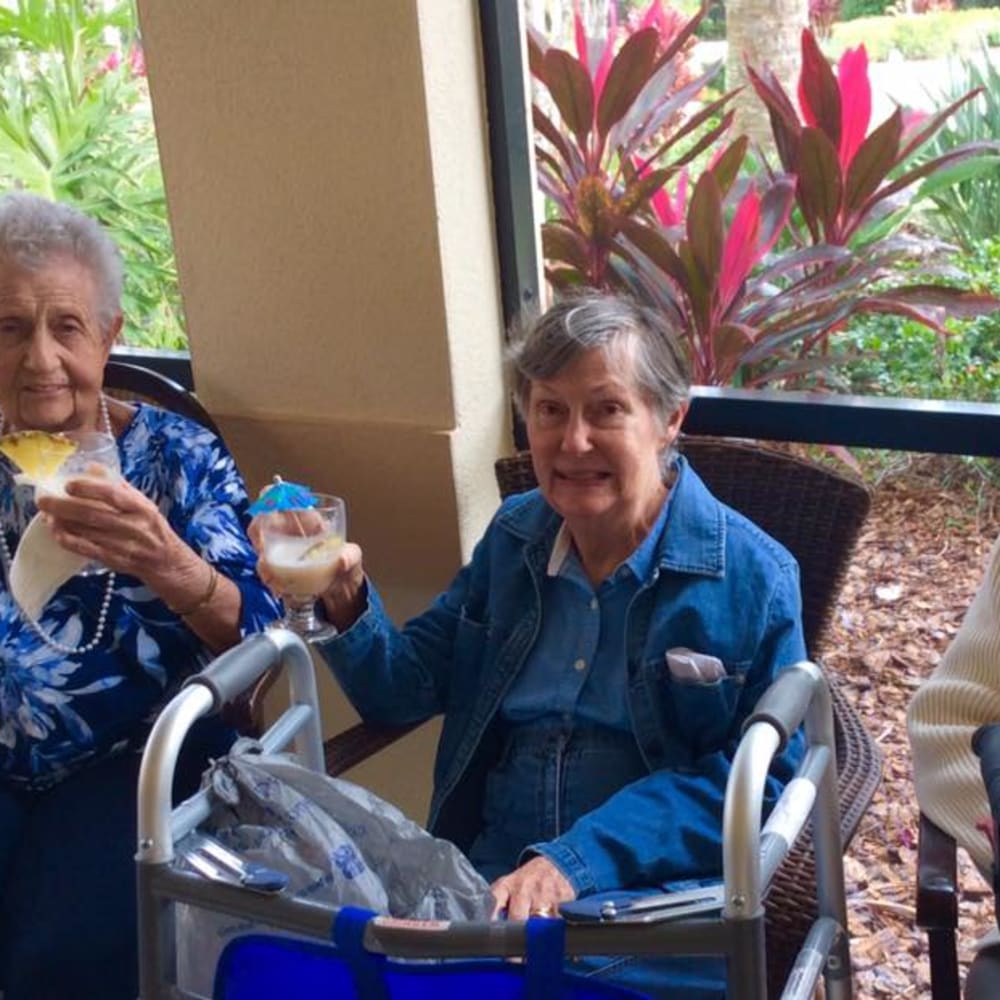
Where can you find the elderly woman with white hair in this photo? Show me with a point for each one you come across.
(81, 680)
(595, 660)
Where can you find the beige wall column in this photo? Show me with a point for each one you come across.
(327, 173)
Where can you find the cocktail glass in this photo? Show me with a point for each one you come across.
(301, 546)
(95, 457)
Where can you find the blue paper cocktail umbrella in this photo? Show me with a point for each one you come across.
(282, 495)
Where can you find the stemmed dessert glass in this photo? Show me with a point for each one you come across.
(301, 546)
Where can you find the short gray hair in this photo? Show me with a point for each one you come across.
(34, 229)
(592, 320)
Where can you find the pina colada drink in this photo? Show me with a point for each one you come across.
(302, 534)
(55, 485)
(303, 566)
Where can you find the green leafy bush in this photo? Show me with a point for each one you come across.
(76, 126)
(968, 210)
(963, 365)
(713, 25)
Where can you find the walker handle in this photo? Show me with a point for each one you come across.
(233, 672)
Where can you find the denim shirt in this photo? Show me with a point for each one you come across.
(719, 585)
(576, 668)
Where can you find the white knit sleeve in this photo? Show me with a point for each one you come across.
(961, 694)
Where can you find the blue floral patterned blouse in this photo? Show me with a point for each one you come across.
(59, 712)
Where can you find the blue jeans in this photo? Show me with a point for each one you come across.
(67, 877)
(548, 775)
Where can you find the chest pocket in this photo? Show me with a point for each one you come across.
(705, 712)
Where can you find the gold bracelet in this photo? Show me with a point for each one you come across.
(213, 583)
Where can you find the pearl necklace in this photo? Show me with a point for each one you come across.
(109, 587)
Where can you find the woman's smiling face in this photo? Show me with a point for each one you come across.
(596, 442)
(52, 347)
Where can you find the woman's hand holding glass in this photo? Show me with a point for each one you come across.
(304, 558)
(112, 523)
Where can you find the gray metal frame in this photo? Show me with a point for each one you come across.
(160, 826)
(751, 854)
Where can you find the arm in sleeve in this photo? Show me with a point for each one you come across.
(961, 694)
(668, 826)
(397, 676)
(211, 515)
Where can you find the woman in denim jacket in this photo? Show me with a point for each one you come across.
(596, 658)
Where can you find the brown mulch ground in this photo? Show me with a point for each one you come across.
(918, 564)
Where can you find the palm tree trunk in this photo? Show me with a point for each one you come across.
(763, 33)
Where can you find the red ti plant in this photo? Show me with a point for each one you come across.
(613, 144)
(853, 187)
(753, 308)
(737, 304)
(850, 182)
(756, 297)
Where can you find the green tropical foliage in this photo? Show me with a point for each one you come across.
(935, 34)
(965, 364)
(852, 9)
(76, 126)
(968, 209)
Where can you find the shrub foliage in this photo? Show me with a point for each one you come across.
(76, 126)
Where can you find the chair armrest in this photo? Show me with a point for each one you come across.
(358, 743)
(937, 906)
(937, 878)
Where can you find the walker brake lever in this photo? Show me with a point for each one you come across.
(200, 848)
(644, 909)
(209, 869)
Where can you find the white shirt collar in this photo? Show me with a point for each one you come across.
(560, 550)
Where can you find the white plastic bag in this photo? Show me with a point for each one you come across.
(338, 843)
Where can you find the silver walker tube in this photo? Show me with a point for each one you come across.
(222, 680)
(741, 821)
(799, 692)
(156, 773)
(743, 909)
(226, 677)
(828, 847)
(294, 655)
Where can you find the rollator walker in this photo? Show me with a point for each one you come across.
(726, 920)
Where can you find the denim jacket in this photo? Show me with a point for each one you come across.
(719, 585)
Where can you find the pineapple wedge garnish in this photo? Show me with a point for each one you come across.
(38, 454)
(321, 549)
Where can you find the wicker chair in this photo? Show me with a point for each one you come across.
(817, 514)
(134, 383)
